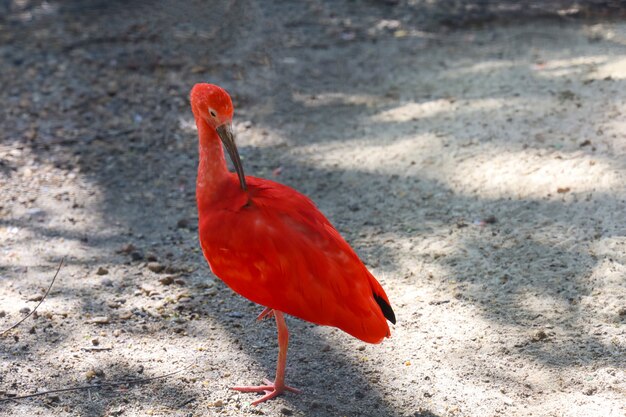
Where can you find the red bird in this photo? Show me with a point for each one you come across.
(270, 244)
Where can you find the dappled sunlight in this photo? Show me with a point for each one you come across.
(415, 111)
(335, 99)
(585, 66)
(531, 174)
(615, 68)
(478, 174)
(482, 67)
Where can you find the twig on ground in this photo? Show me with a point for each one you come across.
(100, 385)
(40, 301)
(97, 348)
(187, 401)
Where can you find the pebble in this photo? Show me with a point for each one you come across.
(136, 256)
(36, 297)
(539, 335)
(117, 332)
(92, 373)
(286, 411)
(166, 280)
(218, 403)
(148, 289)
(622, 312)
(25, 310)
(106, 282)
(127, 248)
(95, 341)
(53, 398)
(155, 267)
(100, 320)
(3, 313)
(182, 223)
(125, 315)
(102, 271)
(151, 257)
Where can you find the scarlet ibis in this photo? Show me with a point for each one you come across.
(271, 244)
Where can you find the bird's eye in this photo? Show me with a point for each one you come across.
(212, 113)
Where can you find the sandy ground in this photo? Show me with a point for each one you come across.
(479, 172)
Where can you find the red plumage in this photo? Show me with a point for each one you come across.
(274, 247)
(270, 244)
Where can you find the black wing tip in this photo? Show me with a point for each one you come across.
(385, 308)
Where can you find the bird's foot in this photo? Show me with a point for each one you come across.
(268, 312)
(270, 389)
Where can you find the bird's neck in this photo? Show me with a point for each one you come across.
(213, 173)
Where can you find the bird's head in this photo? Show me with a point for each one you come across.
(212, 104)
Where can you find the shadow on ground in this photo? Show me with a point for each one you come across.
(100, 88)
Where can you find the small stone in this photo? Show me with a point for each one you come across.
(112, 87)
(36, 297)
(117, 333)
(3, 313)
(155, 267)
(590, 390)
(621, 312)
(286, 411)
(171, 269)
(491, 220)
(167, 280)
(148, 289)
(136, 256)
(539, 336)
(95, 341)
(117, 411)
(100, 320)
(53, 398)
(102, 271)
(151, 257)
(25, 310)
(106, 282)
(218, 403)
(183, 223)
(127, 248)
(125, 315)
(235, 314)
(113, 304)
(361, 348)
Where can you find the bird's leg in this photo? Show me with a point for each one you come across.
(274, 389)
(265, 313)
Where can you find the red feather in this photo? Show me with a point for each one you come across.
(273, 246)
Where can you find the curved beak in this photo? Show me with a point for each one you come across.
(225, 132)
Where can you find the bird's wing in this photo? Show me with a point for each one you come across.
(277, 249)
